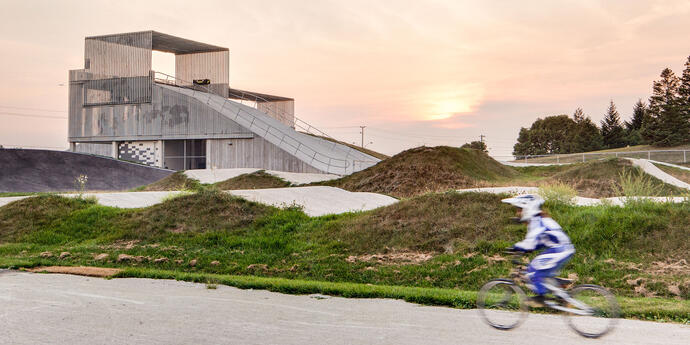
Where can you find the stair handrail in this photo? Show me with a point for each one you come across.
(210, 92)
(257, 98)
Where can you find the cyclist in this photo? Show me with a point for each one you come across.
(542, 233)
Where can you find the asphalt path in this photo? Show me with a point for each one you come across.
(63, 309)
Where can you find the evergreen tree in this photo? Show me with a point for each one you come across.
(667, 124)
(634, 126)
(684, 88)
(585, 135)
(684, 93)
(611, 129)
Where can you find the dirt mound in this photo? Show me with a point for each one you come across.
(426, 169)
(256, 180)
(53, 171)
(176, 181)
(604, 178)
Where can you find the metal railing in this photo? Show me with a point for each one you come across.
(668, 156)
(301, 150)
(285, 117)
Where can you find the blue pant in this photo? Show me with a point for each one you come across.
(546, 265)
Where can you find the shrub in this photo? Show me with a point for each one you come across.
(558, 192)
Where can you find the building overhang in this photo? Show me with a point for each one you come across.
(162, 42)
(255, 96)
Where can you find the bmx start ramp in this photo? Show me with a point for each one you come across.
(23, 170)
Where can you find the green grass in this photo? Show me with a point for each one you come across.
(175, 181)
(681, 174)
(597, 179)
(436, 169)
(256, 180)
(443, 242)
(9, 194)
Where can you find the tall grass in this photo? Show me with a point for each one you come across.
(558, 192)
(636, 183)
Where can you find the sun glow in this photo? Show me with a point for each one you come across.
(447, 108)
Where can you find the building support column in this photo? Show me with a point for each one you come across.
(160, 154)
(114, 150)
(209, 162)
(72, 146)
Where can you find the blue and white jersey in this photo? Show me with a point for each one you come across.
(543, 233)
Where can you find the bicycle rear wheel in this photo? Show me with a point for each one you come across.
(599, 307)
(502, 304)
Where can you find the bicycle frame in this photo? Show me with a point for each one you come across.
(520, 279)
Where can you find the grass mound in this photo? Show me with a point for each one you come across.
(681, 174)
(608, 178)
(438, 241)
(51, 220)
(35, 213)
(176, 181)
(256, 180)
(426, 169)
(438, 223)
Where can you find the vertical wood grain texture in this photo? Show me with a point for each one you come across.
(254, 153)
(283, 111)
(125, 55)
(210, 65)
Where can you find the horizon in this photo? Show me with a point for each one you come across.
(438, 73)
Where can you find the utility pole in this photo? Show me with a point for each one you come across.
(362, 131)
(481, 137)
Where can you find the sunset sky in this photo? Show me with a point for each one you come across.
(414, 72)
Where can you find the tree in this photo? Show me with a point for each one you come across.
(634, 126)
(546, 136)
(684, 88)
(684, 92)
(667, 124)
(476, 145)
(611, 128)
(585, 135)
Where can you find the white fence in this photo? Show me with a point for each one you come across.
(669, 156)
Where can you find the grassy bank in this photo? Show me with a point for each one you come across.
(681, 174)
(441, 241)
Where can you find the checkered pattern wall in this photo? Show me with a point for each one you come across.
(145, 152)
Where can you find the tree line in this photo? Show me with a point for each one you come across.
(663, 121)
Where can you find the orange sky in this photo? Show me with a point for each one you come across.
(414, 72)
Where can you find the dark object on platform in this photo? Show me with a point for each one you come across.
(23, 170)
(202, 81)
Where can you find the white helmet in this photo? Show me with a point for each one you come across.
(530, 205)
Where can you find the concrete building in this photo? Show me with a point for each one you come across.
(120, 107)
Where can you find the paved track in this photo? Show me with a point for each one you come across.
(61, 309)
(23, 170)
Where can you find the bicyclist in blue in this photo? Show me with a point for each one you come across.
(542, 233)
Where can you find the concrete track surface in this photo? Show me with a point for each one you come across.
(23, 170)
(62, 309)
(316, 200)
(218, 175)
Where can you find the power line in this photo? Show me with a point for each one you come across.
(32, 115)
(418, 136)
(34, 109)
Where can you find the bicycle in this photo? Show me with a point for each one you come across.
(503, 303)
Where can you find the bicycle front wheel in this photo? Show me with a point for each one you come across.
(596, 309)
(502, 304)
